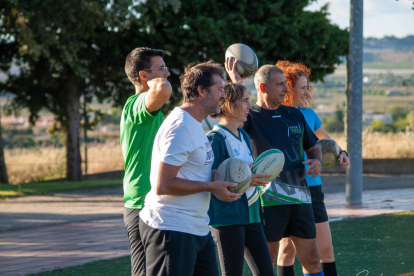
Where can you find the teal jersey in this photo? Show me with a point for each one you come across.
(241, 150)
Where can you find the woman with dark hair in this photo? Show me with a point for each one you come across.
(236, 226)
(300, 95)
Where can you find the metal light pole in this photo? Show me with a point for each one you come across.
(85, 129)
(354, 120)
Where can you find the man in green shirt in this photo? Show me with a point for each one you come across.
(140, 120)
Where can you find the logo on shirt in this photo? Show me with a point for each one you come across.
(236, 152)
(209, 154)
(294, 130)
(277, 116)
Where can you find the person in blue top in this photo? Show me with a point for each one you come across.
(300, 95)
(237, 226)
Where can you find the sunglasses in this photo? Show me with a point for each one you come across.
(163, 68)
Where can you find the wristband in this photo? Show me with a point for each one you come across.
(341, 151)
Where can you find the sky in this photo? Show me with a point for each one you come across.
(381, 17)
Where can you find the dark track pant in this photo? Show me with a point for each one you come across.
(131, 221)
(238, 242)
(178, 254)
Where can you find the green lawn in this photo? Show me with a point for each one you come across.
(48, 187)
(378, 245)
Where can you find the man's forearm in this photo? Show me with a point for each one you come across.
(181, 187)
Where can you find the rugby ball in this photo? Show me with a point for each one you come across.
(237, 171)
(247, 64)
(330, 152)
(271, 162)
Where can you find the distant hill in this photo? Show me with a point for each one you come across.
(389, 53)
(391, 43)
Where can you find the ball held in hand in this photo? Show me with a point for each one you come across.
(248, 63)
(270, 162)
(237, 171)
(330, 152)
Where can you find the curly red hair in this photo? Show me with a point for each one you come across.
(293, 71)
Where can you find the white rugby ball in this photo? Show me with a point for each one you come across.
(247, 64)
(271, 162)
(237, 171)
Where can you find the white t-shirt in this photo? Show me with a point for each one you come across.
(180, 141)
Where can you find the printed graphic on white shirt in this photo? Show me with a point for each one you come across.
(209, 155)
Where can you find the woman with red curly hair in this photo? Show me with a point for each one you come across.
(300, 95)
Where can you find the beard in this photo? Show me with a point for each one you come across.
(217, 111)
(212, 107)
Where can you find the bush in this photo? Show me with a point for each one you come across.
(397, 112)
(400, 124)
(334, 123)
(380, 126)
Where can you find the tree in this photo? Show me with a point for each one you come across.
(4, 179)
(64, 49)
(199, 30)
(69, 48)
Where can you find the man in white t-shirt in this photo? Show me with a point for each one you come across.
(174, 222)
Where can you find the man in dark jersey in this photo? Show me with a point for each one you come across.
(286, 201)
(140, 121)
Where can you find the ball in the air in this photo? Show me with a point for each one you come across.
(247, 64)
(237, 171)
(330, 152)
(270, 162)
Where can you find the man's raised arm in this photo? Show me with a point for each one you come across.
(158, 93)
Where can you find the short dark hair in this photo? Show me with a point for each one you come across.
(263, 75)
(199, 75)
(234, 92)
(138, 60)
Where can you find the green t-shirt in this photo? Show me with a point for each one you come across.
(138, 130)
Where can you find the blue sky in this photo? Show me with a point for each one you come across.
(381, 17)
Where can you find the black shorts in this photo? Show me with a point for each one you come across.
(319, 210)
(288, 220)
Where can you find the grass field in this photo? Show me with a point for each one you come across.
(389, 65)
(382, 145)
(378, 245)
(54, 186)
(34, 165)
(370, 102)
